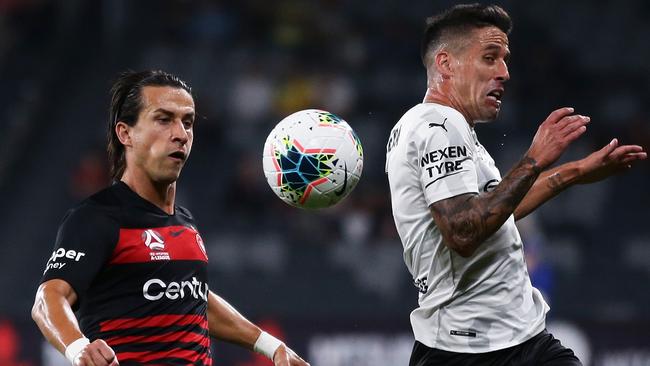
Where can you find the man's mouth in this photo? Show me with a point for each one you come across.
(496, 95)
(178, 155)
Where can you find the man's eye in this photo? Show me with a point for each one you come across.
(489, 58)
(188, 123)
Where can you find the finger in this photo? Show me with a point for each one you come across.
(558, 114)
(607, 149)
(97, 358)
(283, 361)
(573, 125)
(624, 150)
(575, 134)
(106, 352)
(565, 121)
(281, 357)
(298, 360)
(633, 157)
(86, 360)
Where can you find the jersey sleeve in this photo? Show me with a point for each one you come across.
(84, 243)
(446, 157)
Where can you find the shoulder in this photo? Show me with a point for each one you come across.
(435, 117)
(435, 122)
(102, 207)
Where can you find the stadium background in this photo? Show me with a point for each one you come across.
(332, 282)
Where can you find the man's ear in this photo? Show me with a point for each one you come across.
(443, 64)
(123, 132)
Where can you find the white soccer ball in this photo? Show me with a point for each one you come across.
(312, 159)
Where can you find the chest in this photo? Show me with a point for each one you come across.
(488, 175)
(154, 244)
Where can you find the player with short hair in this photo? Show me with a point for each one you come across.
(129, 261)
(456, 215)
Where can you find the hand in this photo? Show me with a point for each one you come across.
(554, 134)
(611, 159)
(97, 353)
(285, 356)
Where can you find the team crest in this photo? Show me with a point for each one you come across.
(199, 242)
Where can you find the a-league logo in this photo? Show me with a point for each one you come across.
(153, 240)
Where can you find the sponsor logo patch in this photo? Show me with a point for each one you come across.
(442, 163)
(62, 255)
(155, 289)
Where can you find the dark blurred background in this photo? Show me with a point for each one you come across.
(332, 282)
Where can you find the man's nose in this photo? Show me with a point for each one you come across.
(502, 72)
(179, 133)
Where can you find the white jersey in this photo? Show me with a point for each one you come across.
(471, 305)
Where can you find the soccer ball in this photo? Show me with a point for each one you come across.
(312, 159)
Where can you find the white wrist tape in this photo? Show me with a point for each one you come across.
(75, 347)
(266, 344)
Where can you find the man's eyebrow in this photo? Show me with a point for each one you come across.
(493, 46)
(164, 111)
(170, 113)
(497, 47)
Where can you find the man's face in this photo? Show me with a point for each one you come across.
(161, 139)
(481, 73)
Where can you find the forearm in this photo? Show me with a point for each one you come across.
(466, 221)
(227, 324)
(54, 316)
(549, 184)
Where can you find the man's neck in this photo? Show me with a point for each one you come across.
(162, 195)
(436, 96)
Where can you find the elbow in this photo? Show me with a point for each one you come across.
(37, 309)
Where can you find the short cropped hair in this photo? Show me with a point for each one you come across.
(460, 20)
(126, 104)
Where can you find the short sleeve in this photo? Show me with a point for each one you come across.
(84, 243)
(446, 157)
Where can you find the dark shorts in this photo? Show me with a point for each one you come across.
(542, 349)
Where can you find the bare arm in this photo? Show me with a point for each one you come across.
(549, 184)
(610, 160)
(465, 221)
(227, 324)
(52, 312)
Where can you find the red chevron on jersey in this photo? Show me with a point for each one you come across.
(182, 336)
(173, 353)
(152, 321)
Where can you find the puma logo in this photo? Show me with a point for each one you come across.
(431, 124)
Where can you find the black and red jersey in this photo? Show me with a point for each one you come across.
(140, 275)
